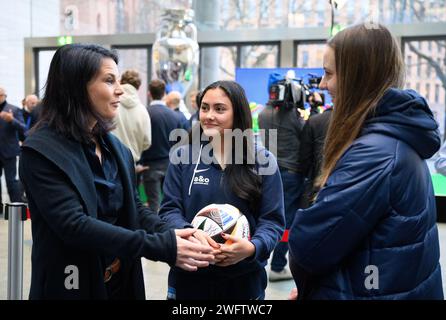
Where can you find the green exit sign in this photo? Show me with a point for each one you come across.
(63, 40)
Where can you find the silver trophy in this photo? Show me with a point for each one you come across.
(175, 53)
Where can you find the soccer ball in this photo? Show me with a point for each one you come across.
(217, 218)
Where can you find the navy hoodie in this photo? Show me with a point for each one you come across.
(376, 215)
(191, 184)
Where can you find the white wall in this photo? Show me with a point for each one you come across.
(20, 19)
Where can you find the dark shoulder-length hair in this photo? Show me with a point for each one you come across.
(67, 107)
(241, 176)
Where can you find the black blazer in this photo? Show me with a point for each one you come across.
(9, 139)
(65, 229)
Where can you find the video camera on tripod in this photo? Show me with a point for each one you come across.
(291, 91)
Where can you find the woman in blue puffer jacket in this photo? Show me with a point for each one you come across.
(371, 233)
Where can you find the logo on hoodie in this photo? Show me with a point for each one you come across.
(201, 180)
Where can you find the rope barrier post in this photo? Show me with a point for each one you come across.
(15, 213)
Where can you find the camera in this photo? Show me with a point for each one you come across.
(314, 81)
(290, 91)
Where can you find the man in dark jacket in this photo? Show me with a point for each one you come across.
(156, 157)
(288, 123)
(11, 125)
(311, 152)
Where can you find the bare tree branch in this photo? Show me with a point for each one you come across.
(432, 62)
(229, 73)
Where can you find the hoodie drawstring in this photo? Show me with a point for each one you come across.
(195, 169)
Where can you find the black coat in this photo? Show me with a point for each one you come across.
(66, 232)
(9, 141)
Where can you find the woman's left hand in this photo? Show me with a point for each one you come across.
(203, 238)
(234, 250)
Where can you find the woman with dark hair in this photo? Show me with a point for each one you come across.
(89, 228)
(371, 233)
(213, 169)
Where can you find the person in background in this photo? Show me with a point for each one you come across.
(133, 126)
(156, 158)
(194, 98)
(214, 170)
(173, 100)
(89, 229)
(11, 126)
(371, 233)
(311, 152)
(315, 101)
(30, 113)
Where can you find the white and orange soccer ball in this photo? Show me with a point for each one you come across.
(217, 218)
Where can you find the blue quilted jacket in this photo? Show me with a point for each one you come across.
(372, 233)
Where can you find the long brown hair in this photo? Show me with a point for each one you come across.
(368, 62)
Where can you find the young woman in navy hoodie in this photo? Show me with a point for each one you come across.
(371, 234)
(213, 169)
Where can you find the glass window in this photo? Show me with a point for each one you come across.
(321, 5)
(427, 93)
(140, 16)
(263, 9)
(249, 8)
(117, 16)
(279, 7)
(409, 65)
(44, 60)
(351, 11)
(434, 64)
(310, 55)
(294, 6)
(418, 66)
(303, 13)
(139, 60)
(217, 63)
(259, 56)
(432, 59)
(365, 8)
(305, 59)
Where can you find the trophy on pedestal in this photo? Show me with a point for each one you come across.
(175, 53)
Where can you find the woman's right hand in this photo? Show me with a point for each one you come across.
(205, 239)
(191, 255)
